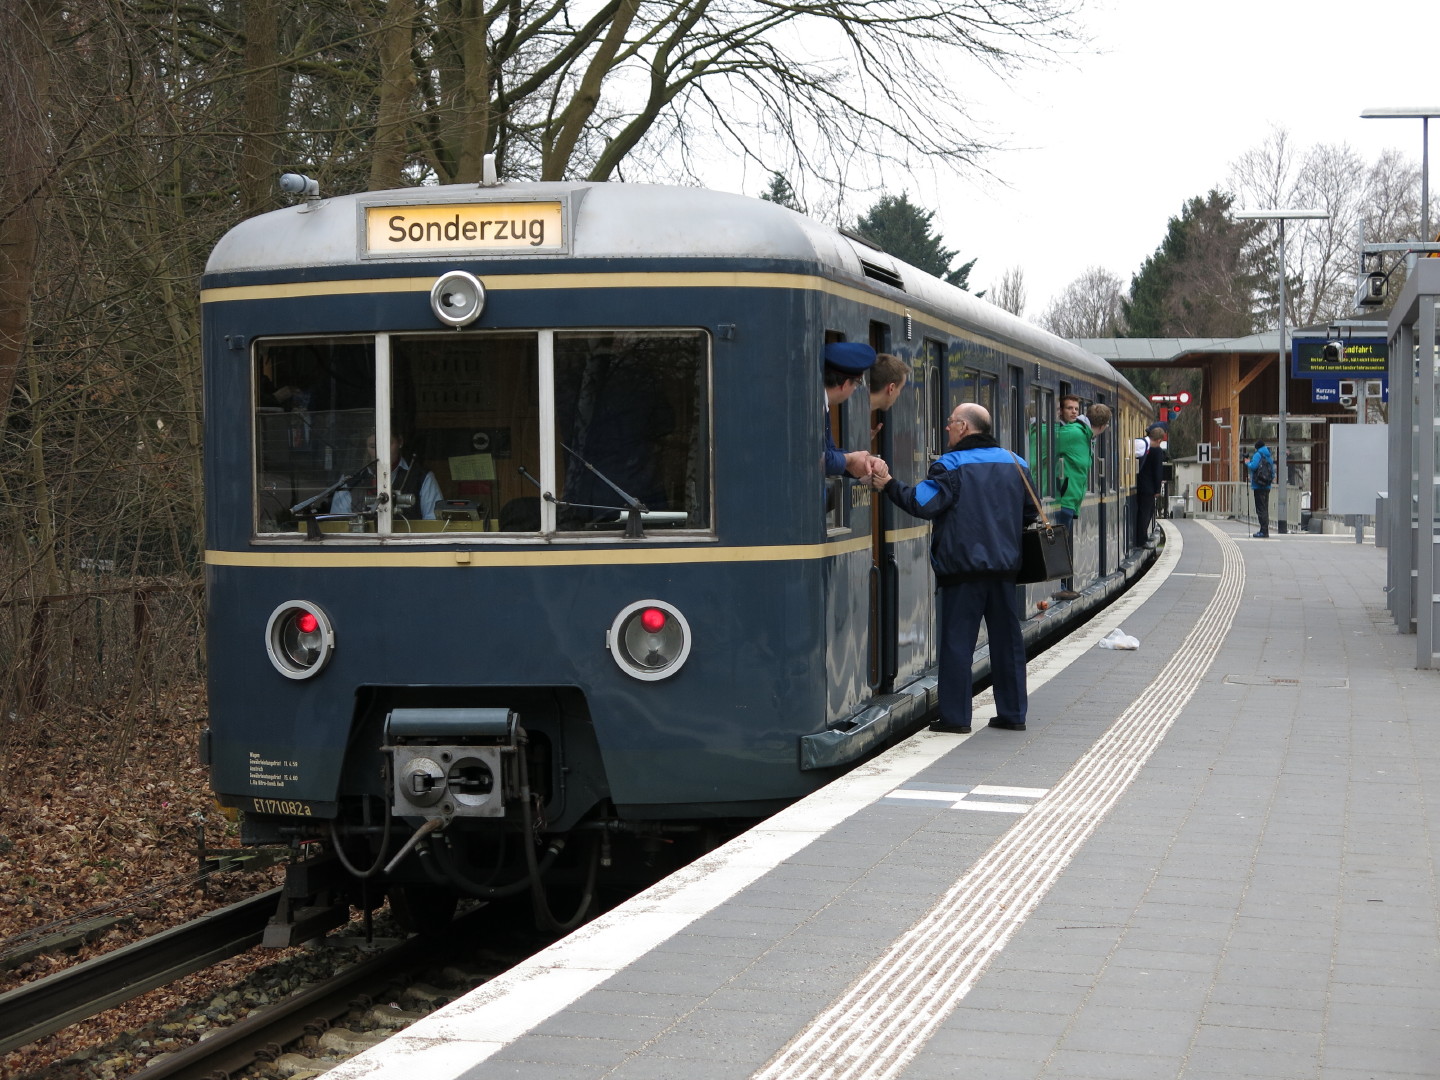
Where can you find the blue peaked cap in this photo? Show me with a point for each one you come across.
(851, 357)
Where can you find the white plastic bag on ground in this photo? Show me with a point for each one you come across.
(1118, 639)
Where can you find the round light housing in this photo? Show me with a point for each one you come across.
(457, 298)
(299, 639)
(650, 640)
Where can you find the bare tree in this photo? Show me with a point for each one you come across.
(1374, 201)
(1090, 307)
(557, 89)
(1009, 292)
(136, 132)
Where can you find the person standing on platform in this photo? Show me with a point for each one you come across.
(846, 365)
(1149, 478)
(1262, 475)
(1075, 448)
(977, 499)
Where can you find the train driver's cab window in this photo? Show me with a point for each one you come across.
(630, 431)
(314, 408)
(603, 434)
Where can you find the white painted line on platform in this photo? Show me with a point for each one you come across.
(1014, 792)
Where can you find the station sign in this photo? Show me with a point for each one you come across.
(1355, 358)
(1182, 398)
(1335, 391)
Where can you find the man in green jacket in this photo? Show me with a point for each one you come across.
(1074, 447)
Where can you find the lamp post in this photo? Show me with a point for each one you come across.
(1281, 472)
(1424, 116)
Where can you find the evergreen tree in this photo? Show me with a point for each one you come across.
(1204, 278)
(900, 227)
(782, 193)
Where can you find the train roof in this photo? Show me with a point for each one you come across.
(616, 221)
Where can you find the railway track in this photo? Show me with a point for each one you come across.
(45, 1006)
(307, 1022)
(264, 1034)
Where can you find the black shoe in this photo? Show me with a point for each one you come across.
(949, 729)
(1260, 536)
(1065, 594)
(1008, 725)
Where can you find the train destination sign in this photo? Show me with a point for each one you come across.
(1358, 358)
(463, 227)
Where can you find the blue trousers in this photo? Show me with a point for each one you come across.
(1064, 516)
(962, 607)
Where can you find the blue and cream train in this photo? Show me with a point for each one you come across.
(637, 603)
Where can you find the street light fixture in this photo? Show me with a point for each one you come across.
(1280, 217)
(1424, 116)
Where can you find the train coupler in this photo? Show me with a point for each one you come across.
(452, 762)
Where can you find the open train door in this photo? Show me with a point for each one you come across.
(902, 587)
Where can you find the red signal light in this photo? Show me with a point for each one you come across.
(653, 620)
(307, 623)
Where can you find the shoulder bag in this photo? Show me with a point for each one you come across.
(1044, 546)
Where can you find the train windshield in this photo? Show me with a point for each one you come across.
(595, 433)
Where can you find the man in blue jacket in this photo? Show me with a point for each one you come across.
(1262, 475)
(977, 498)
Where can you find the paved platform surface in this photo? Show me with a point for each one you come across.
(1210, 858)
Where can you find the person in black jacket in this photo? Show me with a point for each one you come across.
(1149, 478)
(976, 496)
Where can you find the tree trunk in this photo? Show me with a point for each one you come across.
(397, 89)
(472, 124)
(261, 119)
(25, 76)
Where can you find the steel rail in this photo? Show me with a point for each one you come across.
(227, 1051)
(45, 1006)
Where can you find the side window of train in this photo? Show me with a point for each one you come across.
(937, 409)
(627, 423)
(986, 387)
(1041, 418)
(1015, 384)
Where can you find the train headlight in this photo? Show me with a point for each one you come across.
(457, 298)
(650, 640)
(299, 639)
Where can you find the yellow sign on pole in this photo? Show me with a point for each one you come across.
(1205, 493)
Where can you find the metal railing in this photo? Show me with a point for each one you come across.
(1234, 499)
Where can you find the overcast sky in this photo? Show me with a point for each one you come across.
(1111, 144)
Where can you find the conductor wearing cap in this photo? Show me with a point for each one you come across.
(846, 366)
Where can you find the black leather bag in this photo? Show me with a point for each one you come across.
(1044, 546)
(1044, 553)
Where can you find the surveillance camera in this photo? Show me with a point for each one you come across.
(1333, 352)
(1373, 288)
(1348, 400)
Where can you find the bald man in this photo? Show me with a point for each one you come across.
(977, 499)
